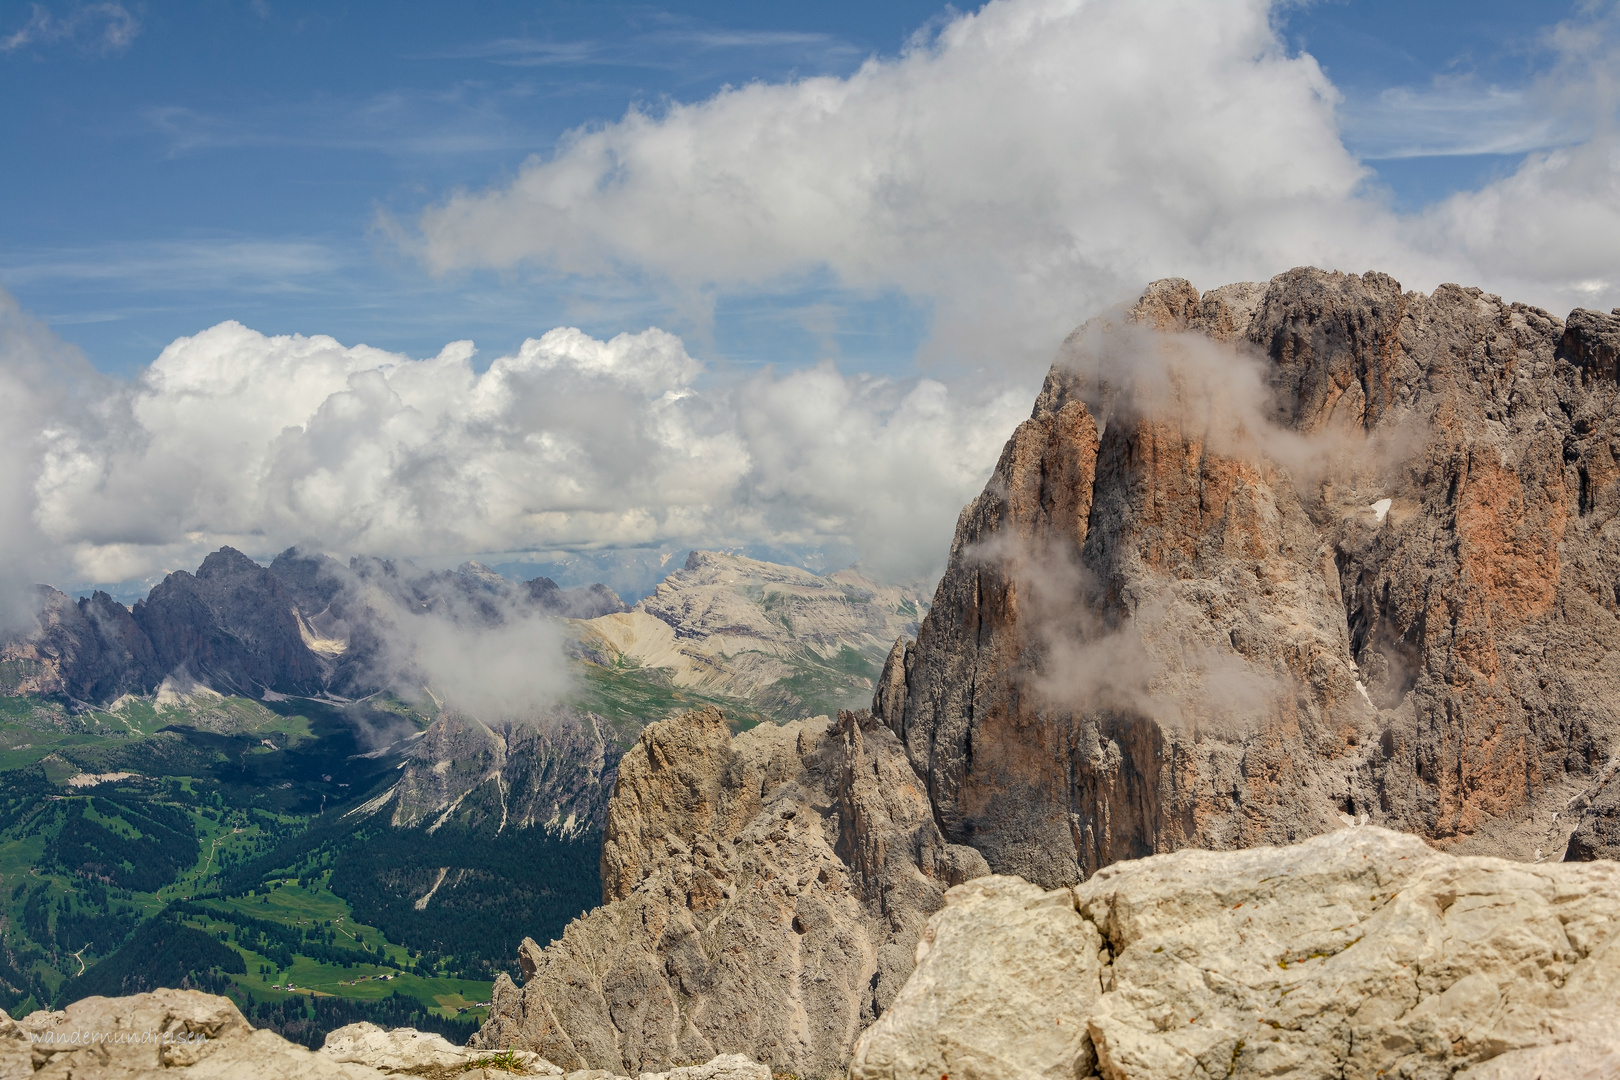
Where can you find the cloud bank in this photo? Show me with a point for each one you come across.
(1037, 159)
(1014, 170)
(46, 386)
(570, 443)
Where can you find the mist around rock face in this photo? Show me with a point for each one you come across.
(1267, 556)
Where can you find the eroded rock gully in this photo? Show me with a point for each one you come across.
(762, 894)
(1276, 555)
(1358, 954)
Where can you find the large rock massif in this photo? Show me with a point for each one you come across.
(1274, 555)
(762, 894)
(1266, 563)
(1358, 954)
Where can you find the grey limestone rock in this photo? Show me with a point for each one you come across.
(762, 895)
(554, 774)
(422, 1053)
(1597, 834)
(1359, 953)
(165, 1033)
(232, 626)
(86, 650)
(182, 1034)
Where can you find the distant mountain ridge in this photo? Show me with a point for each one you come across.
(763, 639)
(789, 642)
(306, 625)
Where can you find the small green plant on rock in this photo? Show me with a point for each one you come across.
(506, 1060)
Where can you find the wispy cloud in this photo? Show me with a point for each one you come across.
(461, 119)
(1454, 118)
(178, 265)
(105, 28)
(1571, 98)
(672, 45)
(754, 39)
(523, 51)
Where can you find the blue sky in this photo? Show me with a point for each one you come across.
(228, 159)
(818, 255)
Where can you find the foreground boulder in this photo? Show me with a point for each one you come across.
(166, 1033)
(1360, 953)
(189, 1035)
(763, 895)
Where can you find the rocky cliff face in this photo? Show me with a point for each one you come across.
(90, 650)
(490, 777)
(1361, 953)
(1270, 556)
(232, 626)
(762, 894)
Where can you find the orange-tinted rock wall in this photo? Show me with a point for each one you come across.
(1389, 589)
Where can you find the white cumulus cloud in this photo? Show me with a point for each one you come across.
(1031, 162)
(261, 442)
(1012, 172)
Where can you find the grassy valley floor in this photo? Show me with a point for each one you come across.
(213, 843)
(122, 833)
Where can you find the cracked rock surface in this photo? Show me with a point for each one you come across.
(183, 1034)
(166, 1033)
(762, 895)
(1358, 954)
